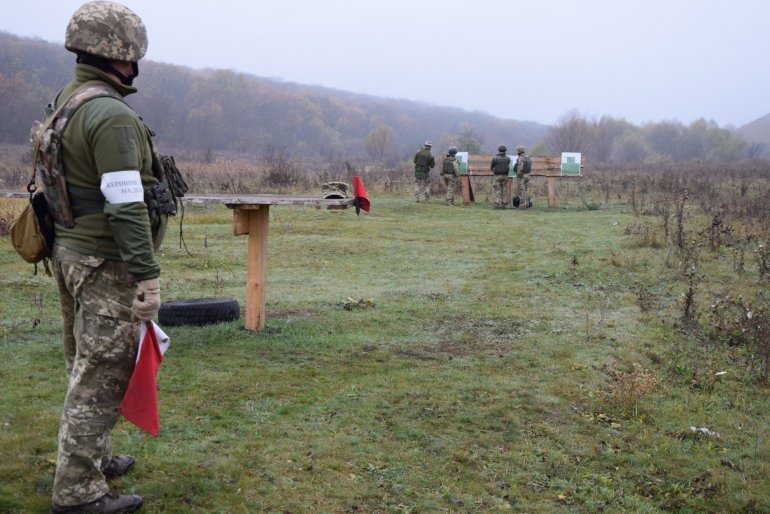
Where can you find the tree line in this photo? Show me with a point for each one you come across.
(226, 111)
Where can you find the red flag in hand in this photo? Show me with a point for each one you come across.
(362, 201)
(140, 403)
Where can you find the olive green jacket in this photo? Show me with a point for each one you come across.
(105, 135)
(423, 163)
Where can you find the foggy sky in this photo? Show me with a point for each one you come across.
(642, 60)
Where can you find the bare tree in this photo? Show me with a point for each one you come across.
(572, 134)
(469, 141)
(379, 143)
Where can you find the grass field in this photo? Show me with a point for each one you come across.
(502, 361)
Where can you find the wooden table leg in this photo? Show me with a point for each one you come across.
(253, 220)
(551, 186)
(465, 185)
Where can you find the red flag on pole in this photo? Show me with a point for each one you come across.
(362, 200)
(140, 403)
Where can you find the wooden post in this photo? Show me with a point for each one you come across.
(551, 185)
(465, 185)
(257, 217)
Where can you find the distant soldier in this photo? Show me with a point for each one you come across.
(522, 168)
(449, 171)
(423, 163)
(499, 166)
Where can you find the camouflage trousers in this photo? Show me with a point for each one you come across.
(450, 181)
(500, 191)
(522, 190)
(420, 184)
(100, 345)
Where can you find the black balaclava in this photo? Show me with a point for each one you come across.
(106, 66)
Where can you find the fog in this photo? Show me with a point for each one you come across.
(641, 60)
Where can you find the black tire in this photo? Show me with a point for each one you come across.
(198, 311)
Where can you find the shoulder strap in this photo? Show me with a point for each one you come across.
(60, 117)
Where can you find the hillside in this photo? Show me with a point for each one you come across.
(758, 131)
(221, 110)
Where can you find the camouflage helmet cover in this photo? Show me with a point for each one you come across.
(334, 190)
(502, 148)
(452, 150)
(107, 29)
(520, 149)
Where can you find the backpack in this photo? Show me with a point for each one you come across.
(527, 164)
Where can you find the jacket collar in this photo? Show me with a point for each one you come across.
(84, 73)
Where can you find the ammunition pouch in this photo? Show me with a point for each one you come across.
(160, 200)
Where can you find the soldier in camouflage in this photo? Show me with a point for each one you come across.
(104, 264)
(449, 170)
(522, 168)
(499, 167)
(423, 163)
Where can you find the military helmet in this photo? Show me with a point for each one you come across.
(107, 29)
(502, 148)
(452, 150)
(520, 149)
(428, 143)
(334, 190)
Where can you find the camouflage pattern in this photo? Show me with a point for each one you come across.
(520, 149)
(500, 191)
(522, 190)
(449, 171)
(100, 345)
(450, 181)
(420, 184)
(523, 163)
(48, 152)
(107, 29)
(334, 190)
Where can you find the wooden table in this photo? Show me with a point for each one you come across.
(251, 215)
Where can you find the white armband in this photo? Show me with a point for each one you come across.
(122, 187)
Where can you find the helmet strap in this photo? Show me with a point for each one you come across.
(106, 66)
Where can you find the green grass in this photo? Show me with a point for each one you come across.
(480, 380)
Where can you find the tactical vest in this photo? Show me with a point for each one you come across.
(66, 203)
(501, 164)
(527, 164)
(48, 153)
(422, 161)
(448, 166)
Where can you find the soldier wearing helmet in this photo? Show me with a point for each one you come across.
(522, 168)
(423, 163)
(449, 170)
(499, 166)
(104, 259)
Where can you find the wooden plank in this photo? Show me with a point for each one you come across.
(542, 166)
(551, 186)
(242, 199)
(264, 199)
(256, 274)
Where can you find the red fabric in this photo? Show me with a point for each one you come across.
(140, 403)
(360, 193)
